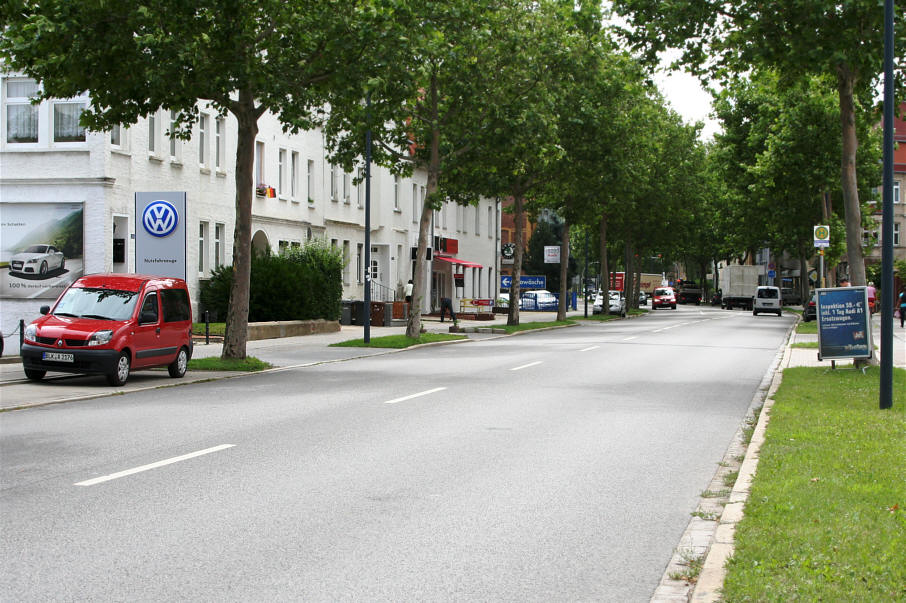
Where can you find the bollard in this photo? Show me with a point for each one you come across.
(207, 328)
(21, 334)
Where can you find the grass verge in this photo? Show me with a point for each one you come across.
(216, 328)
(248, 364)
(807, 328)
(397, 341)
(528, 326)
(806, 344)
(826, 518)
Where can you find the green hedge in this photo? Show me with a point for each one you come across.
(301, 283)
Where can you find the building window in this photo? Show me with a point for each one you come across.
(310, 181)
(490, 222)
(218, 245)
(333, 182)
(116, 136)
(281, 173)
(259, 164)
(360, 187)
(202, 247)
(21, 115)
(396, 193)
(465, 219)
(360, 249)
(345, 187)
(896, 234)
(66, 126)
(152, 133)
(282, 246)
(174, 146)
(896, 191)
(294, 176)
(415, 208)
(477, 221)
(346, 262)
(203, 136)
(219, 134)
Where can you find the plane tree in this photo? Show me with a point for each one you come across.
(244, 57)
(435, 99)
(841, 40)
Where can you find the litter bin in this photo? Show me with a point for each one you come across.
(346, 313)
(388, 314)
(358, 312)
(377, 314)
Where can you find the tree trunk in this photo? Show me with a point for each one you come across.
(605, 269)
(419, 284)
(803, 279)
(564, 272)
(628, 271)
(518, 217)
(852, 211)
(237, 319)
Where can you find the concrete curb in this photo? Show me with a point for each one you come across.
(710, 581)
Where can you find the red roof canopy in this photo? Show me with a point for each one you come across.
(463, 263)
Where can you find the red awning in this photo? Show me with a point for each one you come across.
(463, 263)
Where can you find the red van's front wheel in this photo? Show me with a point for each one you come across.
(121, 371)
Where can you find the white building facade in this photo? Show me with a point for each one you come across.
(52, 172)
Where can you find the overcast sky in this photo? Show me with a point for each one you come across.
(688, 98)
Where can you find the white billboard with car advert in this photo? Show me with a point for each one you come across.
(42, 248)
(160, 234)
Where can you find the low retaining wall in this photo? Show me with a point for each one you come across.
(291, 328)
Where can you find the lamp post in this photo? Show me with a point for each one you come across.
(886, 385)
(367, 317)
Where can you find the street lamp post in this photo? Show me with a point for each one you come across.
(886, 385)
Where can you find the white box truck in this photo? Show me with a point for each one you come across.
(738, 284)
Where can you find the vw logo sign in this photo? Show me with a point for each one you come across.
(160, 218)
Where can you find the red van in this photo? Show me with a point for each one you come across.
(109, 324)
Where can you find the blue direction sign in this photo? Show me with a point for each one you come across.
(526, 281)
(844, 328)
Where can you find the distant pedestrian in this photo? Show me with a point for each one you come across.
(872, 297)
(902, 306)
(408, 292)
(844, 282)
(447, 304)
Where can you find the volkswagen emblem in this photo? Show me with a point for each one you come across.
(160, 218)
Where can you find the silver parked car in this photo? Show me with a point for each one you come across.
(37, 260)
(616, 303)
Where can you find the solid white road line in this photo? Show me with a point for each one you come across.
(424, 393)
(594, 347)
(175, 459)
(519, 368)
(631, 338)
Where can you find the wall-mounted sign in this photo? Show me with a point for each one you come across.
(844, 323)
(551, 254)
(43, 248)
(160, 234)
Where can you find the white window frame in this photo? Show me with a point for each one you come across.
(204, 135)
(896, 191)
(310, 180)
(219, 239)
(19, 101)
(360, 187)
(294, 176)
(416, 213)
(203, 231)
(219, 140)
(116, 136)
(175, 144)
(345, 261)
(282, 172)
(333, 182)
(359, 260)
(260, 174)
(477, 222)
(396, 192)
(490, 222)
(896, 234)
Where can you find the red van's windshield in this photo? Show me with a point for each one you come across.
(103, 304)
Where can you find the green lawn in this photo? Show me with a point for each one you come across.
(806, 344)
(397, 341)
(807, 328)
(528, 326)
(215, 328)
(826, 517)
(249, 363)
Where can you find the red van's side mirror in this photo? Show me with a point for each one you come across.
(44, 309)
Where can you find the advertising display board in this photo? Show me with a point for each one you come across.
(160, 234)
(844, 323)
(42, 248)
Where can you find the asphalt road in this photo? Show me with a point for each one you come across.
(560, 465)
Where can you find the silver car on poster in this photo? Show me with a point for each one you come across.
(37, 260)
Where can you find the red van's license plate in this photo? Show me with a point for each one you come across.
(58, 357)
